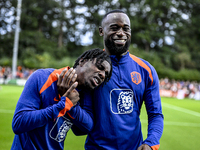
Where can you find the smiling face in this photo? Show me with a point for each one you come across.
(116, 32)
(91, 74)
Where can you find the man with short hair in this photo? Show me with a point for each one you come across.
(48, 105)
(117, 104)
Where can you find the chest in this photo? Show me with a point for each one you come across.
(128, 76)
(49, 96)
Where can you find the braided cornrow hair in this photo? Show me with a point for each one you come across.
(97, 53)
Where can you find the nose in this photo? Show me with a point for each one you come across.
(102, 74)
(120, 32)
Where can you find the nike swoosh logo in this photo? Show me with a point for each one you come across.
(55, 99)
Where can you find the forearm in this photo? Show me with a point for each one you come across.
(26, 119)
(81, 119)
(155, 129)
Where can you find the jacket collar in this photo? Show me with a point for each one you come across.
(119, 59)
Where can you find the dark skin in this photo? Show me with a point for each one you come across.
(86, 75)
(67, 85)
(116, 31)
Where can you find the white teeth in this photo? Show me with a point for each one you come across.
(96, 80)
(120, 40)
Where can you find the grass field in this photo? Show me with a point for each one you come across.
(181, 123)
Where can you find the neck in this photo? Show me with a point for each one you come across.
(124, 53)
(108, 52)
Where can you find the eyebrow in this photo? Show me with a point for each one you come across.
(125, 25)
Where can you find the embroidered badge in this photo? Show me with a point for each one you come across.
(124, 103)
(60, 129)
(136, 77)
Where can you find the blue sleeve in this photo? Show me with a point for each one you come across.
(29, 114)
(154, 111)
(82, 115)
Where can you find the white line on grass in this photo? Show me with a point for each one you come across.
(6, 111)
(186, 124)
(181, 109)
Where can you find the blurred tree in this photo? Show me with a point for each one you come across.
(165, 32)
(188, 32)
(6, 16)
(6, 27)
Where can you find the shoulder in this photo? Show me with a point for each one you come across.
(145, 65)
(41, 78)
(142, 63)
(40, 75)
(42, 72)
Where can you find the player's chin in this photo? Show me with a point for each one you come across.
(89, 86)
(92, 86)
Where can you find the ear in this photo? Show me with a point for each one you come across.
(100, 31)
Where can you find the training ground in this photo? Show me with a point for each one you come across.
(181, 122)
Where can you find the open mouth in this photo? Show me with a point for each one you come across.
(120, 42)
(96, 81)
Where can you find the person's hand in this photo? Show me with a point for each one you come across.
(64, 104)
(144, 147)
(67, 86)
(72, 93)
(65, 80)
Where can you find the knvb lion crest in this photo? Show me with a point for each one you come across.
(136, 77)
(125, 102)
(121, 101)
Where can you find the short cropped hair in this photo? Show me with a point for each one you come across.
(97, 53)
(110, 12)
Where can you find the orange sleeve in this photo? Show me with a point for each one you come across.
(155, 147)
(68, 106)
(52, 78)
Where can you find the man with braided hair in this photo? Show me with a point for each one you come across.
(92, 54)
(49, 103)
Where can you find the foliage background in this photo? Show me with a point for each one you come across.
(53, 33)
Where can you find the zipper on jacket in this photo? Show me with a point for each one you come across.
(120, 73)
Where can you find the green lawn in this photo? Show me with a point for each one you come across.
(181, 123)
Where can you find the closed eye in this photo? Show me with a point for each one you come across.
(126, 29)
(114, 27)
(100, 67)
